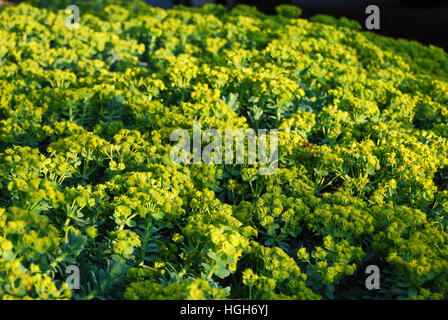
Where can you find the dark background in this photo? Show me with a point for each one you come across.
(423, 20)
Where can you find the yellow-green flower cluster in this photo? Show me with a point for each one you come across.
(86, 177)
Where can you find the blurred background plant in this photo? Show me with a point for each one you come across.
(424, 21)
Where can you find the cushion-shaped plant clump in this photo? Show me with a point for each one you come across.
(87, 182)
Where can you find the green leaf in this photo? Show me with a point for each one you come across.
(212, 255)
(412, 292)
(158, 215)
(222, 272)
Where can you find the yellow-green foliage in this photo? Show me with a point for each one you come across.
(86, 179)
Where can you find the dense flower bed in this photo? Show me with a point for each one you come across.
(86, 179)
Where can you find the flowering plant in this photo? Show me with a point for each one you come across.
(86, 178)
